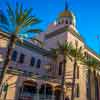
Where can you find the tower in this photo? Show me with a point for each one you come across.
(66, 17)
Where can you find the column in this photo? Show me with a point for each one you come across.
(53, 96)
(37, 94)
(99, 85)
(44, 91)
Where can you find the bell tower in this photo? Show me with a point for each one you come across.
(66, 17)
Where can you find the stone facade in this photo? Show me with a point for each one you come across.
(32, 80)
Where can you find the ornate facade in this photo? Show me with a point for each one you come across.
(33, 74)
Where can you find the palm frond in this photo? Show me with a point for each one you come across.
(20, 40)
(65, 49)
(4, 28)
(19, 20)
(27, 13)
(33, 31)
(31, 22)
(91, 63)
(16, 10)
(38, 41)
(54, 52)
(10, 13)
(21, 10)
(3, 18)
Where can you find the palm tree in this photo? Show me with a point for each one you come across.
(54, 53)
(91, 64)
(64, 49)
(88, 64)
(17, 23)
(95, 67)
(77, 54)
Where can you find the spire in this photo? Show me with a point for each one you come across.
(66, 5)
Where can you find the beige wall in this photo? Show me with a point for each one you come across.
(12, 82)
(52, 42)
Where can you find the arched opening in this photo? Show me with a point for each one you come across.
(28, 90)
(96, 89)
(14, 55)
(57, 93)
(46, 92)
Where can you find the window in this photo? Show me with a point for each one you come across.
(96, 89)
(77, 72)
(60, 68)
(62, 21)
(38, 63)
(59, 22)
(86, 55)
(71, 22)
(77, 90)
(14, 56)
(66, 21)
(88, 85)
(21, 58)
(32, 62)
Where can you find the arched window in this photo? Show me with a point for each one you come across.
(71, 22)
(59, 22)
(78, 72)
(32, 62)
(77, 91)
(14, 55)
(21, 58)
(96, 89)
(66, 21)
(60, 68)
(62, 21)
(38, 63)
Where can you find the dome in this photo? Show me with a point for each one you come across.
(66, 13)
(69, 15)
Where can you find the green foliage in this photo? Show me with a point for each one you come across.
(77, 52)
(91, 63)
(65, 49)
(18, 20)
(54, 52)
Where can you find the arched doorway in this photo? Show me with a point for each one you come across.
(45, 92)
(28, 90)
(57, 92)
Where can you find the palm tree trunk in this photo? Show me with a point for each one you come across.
(73, 80)
(95, 83)
(8, 57)
(63, 78)
(89, 84)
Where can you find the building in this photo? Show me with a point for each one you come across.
(33, 74)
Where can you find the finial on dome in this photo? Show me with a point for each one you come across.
(66, 5)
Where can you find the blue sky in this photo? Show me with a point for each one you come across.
(87, 14)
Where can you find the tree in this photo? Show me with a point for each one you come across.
(17, 23)
(95, 67)
(54, 53)
(91, 64)
(64, 49)
(77, 54)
